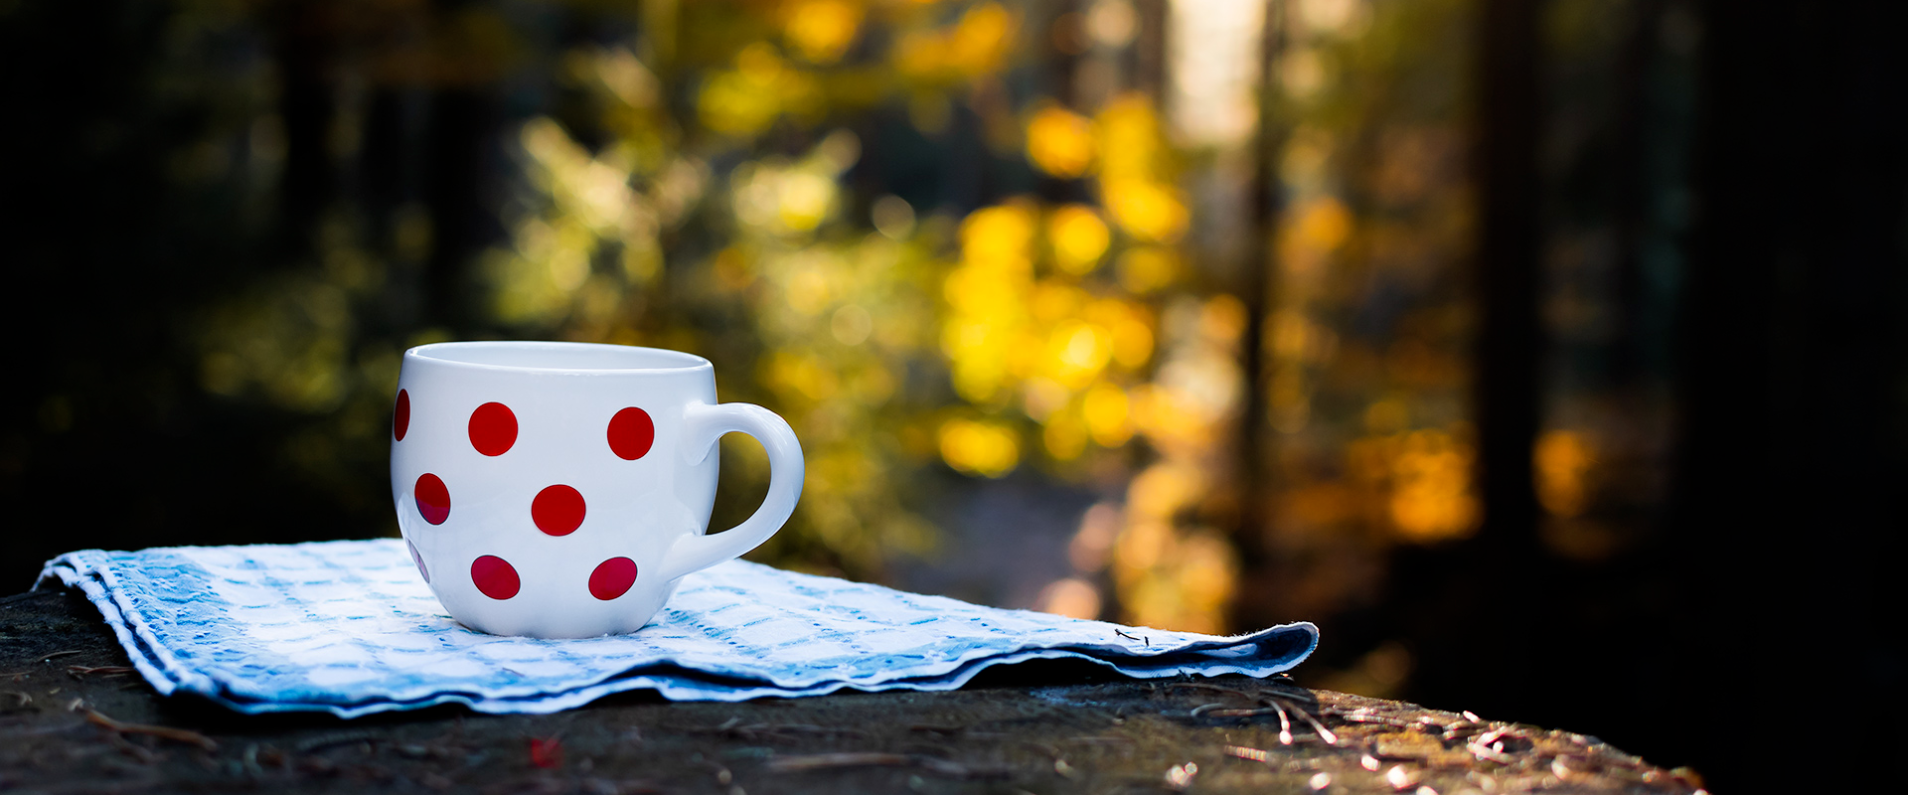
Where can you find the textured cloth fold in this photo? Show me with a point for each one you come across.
(348, 627)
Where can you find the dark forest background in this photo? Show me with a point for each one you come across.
(1553, 356)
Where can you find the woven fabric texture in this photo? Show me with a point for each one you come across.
(349, 627)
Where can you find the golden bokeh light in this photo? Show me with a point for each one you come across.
(980, 42)
(1132, 145)
(1147, 210)
(1312, 232)
(1079, 238)
(1060, 142)
(1108, 418)
(1426, 476)
(1563, 458)
(762, 87)
(1072, 597)
(979, 448)
(1079, 352)
(821, 30)
(1146, 269)
(976, 45)
(1064, 436)
(998, 237)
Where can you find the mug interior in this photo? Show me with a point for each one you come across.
(560, 356)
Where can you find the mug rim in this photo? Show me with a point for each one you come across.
(437, 353)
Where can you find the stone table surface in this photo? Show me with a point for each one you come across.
(75, 718)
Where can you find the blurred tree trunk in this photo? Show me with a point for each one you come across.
(1254, 604)
(307, 56)
(1149, 48)
(1471, 603)
(1508, 335)
(1634, 183)
(461, 176)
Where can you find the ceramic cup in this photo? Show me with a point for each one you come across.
(560, 489)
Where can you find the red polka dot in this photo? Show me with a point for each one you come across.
(557, 510)
(433, 499)
(493, 429)
(612, 578)
(419, 560)
(495, 577)
(631, 432)
(401, 416)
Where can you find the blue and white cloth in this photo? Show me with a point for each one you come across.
(348, 627)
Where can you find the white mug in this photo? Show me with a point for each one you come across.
(562, 489)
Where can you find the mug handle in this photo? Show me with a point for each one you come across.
(787, 472)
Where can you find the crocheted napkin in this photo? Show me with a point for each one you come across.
(348, 627)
